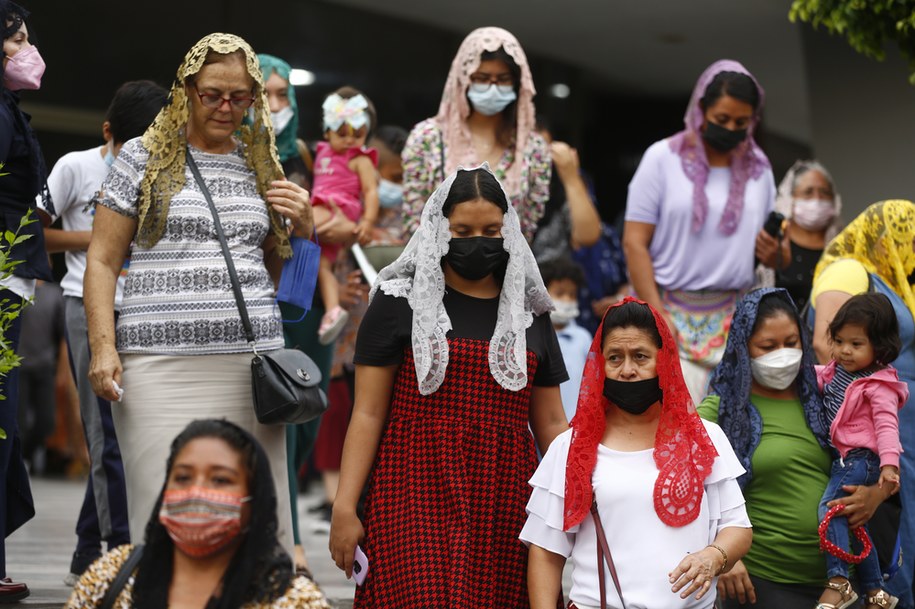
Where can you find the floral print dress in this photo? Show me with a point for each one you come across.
(423, 172)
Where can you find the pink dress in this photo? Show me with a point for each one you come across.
(333, 179)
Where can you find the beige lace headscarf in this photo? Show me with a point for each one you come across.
(454, 108)
(882, 239)
(166, 141)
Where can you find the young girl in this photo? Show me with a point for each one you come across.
(862, 394)
(456, 363)
(344, 170)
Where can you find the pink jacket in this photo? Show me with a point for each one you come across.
(868, 417)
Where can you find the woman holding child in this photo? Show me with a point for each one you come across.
(876, 253)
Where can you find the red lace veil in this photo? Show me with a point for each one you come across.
(683, 451)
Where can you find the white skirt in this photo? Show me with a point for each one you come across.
(162, 394)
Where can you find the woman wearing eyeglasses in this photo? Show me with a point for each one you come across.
(486, 114)
(179, 352)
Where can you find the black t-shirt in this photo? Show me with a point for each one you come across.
(798, 277)
(387, 327)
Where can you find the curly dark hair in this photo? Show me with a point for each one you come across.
(11, 17)
(260, 571)
(874, 312)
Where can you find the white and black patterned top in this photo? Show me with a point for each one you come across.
(178, 296)
(834, 391)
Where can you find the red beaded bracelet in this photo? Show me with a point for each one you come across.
(835, 550)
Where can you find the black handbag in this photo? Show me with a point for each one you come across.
(284, 382)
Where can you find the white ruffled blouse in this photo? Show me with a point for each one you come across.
(644, 549)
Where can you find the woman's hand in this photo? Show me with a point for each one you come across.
(363, 231)
(339, 229)
(354, 291)
(565, 158)
(736, 584)
(861, 504)
(767, 250)
(293, 203)
(889, 475)
(346, 532)
(105, 367)
(696, 572)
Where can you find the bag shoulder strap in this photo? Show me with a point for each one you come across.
(233, 276)
(120, 580)
(441, 150)
(603, 553)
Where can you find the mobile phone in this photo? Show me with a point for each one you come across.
(773, 224)
(360, 566)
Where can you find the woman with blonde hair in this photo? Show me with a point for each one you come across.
(179, 351)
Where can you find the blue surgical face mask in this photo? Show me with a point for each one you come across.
(492, 100)
(109, 155)
(390, 194)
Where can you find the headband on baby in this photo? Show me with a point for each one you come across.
(351, 111)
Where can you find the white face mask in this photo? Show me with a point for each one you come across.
(566, 311)
(777, 369)
(813, 214)
(281, 119)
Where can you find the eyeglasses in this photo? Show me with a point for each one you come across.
(211, 100)
(480, 82)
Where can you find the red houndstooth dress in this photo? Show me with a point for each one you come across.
(446, 499)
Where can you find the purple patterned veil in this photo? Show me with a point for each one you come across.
(748, 161)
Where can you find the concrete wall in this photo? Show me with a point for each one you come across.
(863, 118)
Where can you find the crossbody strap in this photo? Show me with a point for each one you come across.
(441, 151)
(120, 580)
(603, 553)
(233, 276)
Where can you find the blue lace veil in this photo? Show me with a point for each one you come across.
(731, 381)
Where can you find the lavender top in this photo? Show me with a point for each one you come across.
(661, 194)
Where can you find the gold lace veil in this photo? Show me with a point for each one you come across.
(166, 141)
(881, 240)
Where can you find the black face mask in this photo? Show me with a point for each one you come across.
(634, 397)
(722, 139)
(474, 258)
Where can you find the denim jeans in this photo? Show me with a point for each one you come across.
(860, 466)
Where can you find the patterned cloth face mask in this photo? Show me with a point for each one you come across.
(201, 521)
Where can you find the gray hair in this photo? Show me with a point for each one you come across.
(802, 167)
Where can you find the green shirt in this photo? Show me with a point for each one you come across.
(790, 472)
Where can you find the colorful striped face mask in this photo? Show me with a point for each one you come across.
(201, 521)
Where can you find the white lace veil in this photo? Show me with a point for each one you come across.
(417, 275)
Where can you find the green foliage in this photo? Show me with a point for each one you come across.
(867, 25)
(10, 311)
